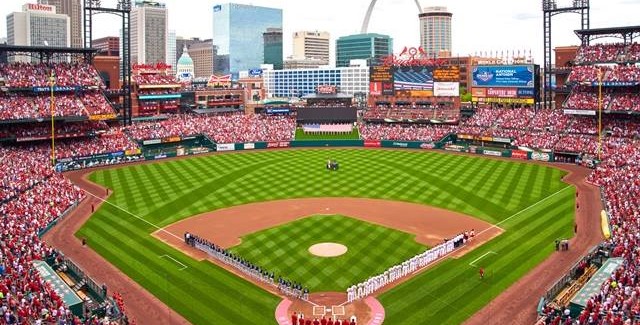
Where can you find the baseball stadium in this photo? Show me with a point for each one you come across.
(154, 200)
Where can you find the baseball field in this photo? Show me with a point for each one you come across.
(528, 201)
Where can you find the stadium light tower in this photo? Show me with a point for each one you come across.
(367, 16)
(550, 8)
(123, 9)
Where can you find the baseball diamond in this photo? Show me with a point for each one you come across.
(524, 199)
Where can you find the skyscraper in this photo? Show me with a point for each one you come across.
(238, 34)
(170, 58)
(435, 31)
(149, 32)
(73, 9)
(273, 47)
(37, 25)
(202, 54)
(311, 45)
(370, 47)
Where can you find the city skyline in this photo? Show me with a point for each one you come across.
(476, 27)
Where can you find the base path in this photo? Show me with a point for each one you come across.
(226, 226)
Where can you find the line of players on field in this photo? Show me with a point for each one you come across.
(286, 286)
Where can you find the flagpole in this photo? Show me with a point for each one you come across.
(52, 82)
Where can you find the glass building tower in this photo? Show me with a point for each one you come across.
(370, 47)
(238, 35)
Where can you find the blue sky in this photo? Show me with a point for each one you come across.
(478, 26)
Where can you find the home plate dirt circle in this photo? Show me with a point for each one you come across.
(327, 249)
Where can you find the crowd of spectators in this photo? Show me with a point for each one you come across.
(96, 104)
(618, 73)
(600, 53)
(43, 130)
(625, 102)
(427, 133)
(19, 106)
(223, 128)
(28, 75)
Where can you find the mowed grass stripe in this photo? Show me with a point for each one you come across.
(449, 280)
(148, 259)
(454, 182)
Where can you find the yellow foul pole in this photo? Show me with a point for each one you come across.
(599, 113)
(52, 82)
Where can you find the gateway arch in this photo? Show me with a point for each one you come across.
(365, 23)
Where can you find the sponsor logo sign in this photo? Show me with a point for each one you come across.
(283, 144)
(372, 144)
(326, 89)
(427, 145)
(492, 153)
(479, 92)
(171, 139)
(450, 89)
(503, 100)
(217, 8)
(249, 146)
(102, 117)
(526, 92)
(160, 156)
(519, 154)
(375, 88)
(400, 144)
(132, 152)
(502, 92)
(503, 140)
(255, 72)
(152, 141)
(40, 7)
(225, 147)
(387, 89)
(580, 112)
(542, 156)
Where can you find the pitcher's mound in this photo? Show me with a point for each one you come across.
(327, 249)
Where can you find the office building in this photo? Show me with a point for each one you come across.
(371, 47)
(202, 54)
(300, 82)
(181, 42)
(171, 51)
(435, 31)
(107, 46)
(149, 32)
(238, 35)
(273, 47)
(311, 45)
(37, 25)
(73, 9)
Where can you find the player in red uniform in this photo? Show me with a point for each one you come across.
(294, 318)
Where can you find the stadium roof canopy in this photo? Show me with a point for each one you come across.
(627, 33)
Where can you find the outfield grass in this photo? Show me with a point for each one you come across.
(372, 249)
(354, 135)
(528, 200)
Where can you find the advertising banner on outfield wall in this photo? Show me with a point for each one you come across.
(281, 144)
(492, 153)
(541, 156)
(446, 89)
(225, 147)
(249, 146)
(372, 144)
(519, 154)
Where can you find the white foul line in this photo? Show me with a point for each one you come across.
(167, 256)
(133, 215)
(523, 210)
(481, 256)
